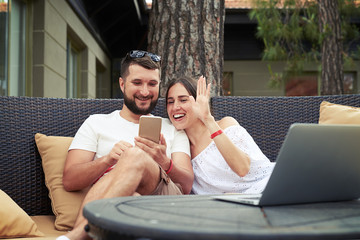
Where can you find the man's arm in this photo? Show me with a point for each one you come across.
(81, 170)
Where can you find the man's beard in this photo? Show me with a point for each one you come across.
(131, 105)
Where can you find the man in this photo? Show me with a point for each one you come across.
(107, 154)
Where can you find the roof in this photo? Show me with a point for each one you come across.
(239, 4)
(3, 6)
(230, 4)
(244, 4)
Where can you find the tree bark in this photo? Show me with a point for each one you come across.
(189, 36)
(332, 63)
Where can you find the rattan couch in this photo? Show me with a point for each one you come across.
(267, 119)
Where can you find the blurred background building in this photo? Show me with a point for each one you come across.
(72, 48)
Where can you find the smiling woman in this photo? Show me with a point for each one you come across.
(225, 158)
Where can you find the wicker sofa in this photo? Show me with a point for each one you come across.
(267, 119)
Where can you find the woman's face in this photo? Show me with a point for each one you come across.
(179, 106)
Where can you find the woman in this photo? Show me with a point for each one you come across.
(225, 158)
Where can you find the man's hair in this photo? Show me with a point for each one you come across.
(144, 61)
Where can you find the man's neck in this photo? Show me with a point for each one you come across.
(129, 115)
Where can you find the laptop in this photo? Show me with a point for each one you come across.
(316, 163)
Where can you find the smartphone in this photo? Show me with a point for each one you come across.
(150, 128)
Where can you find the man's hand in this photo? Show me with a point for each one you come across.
(156, 150)
(181, 172)
(115, 153)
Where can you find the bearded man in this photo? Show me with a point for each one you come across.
(108, 156)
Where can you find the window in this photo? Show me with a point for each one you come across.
(304, 85)
(350, 83)
(307, 84)
(101, 86)
(227, 83)
(17, 40)
(72, 72)
(3, 46)
(13, 47)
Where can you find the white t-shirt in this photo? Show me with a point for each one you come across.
(214, 176)
(100, 132)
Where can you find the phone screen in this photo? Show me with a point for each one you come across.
(150, 128)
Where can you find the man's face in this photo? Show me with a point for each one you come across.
(141, 89)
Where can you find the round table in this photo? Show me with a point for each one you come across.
(202, 217)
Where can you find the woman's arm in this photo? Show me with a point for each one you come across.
(238, 161)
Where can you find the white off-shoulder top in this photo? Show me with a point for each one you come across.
(214, 176)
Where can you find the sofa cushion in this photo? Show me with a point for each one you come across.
(14, 221)
(331, 113)
(65, 205)
(46, 225)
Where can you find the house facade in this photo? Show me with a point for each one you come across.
(47, 51)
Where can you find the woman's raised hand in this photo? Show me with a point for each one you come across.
(201, 106)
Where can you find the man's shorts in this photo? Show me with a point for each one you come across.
(167, 186)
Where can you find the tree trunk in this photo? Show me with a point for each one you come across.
(331, 52)
(189, 36)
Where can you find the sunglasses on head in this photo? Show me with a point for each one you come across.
(140, 54)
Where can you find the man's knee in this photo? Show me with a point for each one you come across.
(135, 158)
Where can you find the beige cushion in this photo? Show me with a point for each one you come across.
(331, 113)
(65, 205)
(46, 225)
(14, 222)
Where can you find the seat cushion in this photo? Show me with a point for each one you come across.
(45, 224)
(65, 205)
(14, 221)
